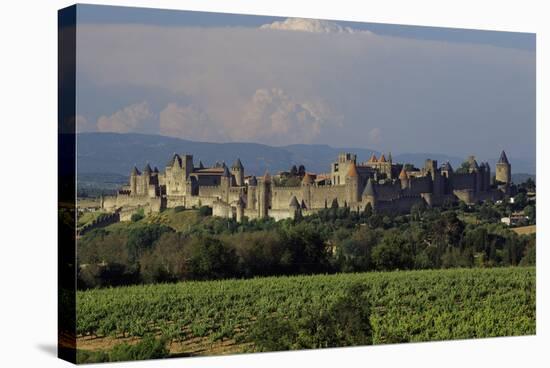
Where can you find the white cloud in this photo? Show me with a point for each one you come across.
(271, 116)
(311, 25)
(417, 92)
(83, 124)
(188, 122)
(130, 119)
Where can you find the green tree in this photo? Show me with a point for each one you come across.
(209, 258)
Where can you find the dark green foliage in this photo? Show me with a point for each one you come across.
(334, 239)
(140, 214)
(395, 251)
(86, 357)
(112, 274)
(178, 209)
(205, 211)
(148, 348)
(136, 217)
(209, 258)
(344, 322)
(142, 238)
(529, 256)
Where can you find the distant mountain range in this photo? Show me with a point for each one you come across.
(113, 153)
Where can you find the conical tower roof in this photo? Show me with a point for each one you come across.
(237, 164)
(503, 159)
(294, 202)
(373, 158)
(352, 171)
(147, 169)
(135, 171)
(156, 170)
(175, 159)
(369, 189)
(201, 166)
(447, 166)
(253, 181)
(382, 158)
(226, 172)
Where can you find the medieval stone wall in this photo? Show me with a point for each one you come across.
(324, 196)
(420, 185)
(280, 196)
(463, 181)
(399, 205)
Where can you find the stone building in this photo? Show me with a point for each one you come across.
(387, 186)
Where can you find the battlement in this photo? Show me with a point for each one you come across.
(220, 186)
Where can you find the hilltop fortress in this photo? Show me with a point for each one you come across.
(387, 186)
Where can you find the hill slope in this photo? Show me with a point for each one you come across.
(113, 153)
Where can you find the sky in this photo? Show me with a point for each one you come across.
(236, 78)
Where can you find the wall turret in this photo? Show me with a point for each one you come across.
(225, 184)
(369, 194)
(239, 210)
(352, 184)
(175, 176)
(503, 170)
(447, 170)
(294, 206)
(251, 193)
(237, 170)
(264, 192)
(134, 174)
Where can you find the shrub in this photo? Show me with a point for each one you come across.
(346, 322)
(84, 357)
(137, 216)
(205, 211)
(179, 209)
(148, 348)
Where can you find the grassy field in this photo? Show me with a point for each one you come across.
(525, 230)
(177, 220)
(88, 217)
(217, 317)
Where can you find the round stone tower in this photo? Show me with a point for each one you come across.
(237, 170)
(352, 184)
(369, 194)
(503, 170)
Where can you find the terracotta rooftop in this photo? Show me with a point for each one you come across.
(352, 172)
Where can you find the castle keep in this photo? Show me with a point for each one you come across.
(387, 186)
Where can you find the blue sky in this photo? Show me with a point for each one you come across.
(224, 77)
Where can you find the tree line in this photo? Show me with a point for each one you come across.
(333, 240)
